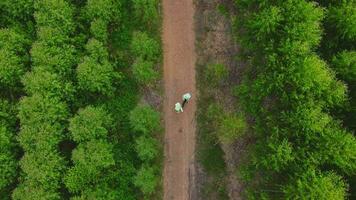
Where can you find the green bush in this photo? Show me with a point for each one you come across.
(43, 173)
(146, 180)
(14, 41)
(144, 119)
(265, 23)
(90, 123)
(8, 163)
(146, 148)
(345, 65)
(13, 56)
(32, 109)
(44, 113)
(290, 92)
(146, 11)
(145, 47)
(55, 14)
(90, 160)
(96, 77)
(46, 84)
(11, 69)
(102, 9)
(316, 185)
(15, 11)
(95, 73)
(144, 72)
(98, 29)
(343, 17)
(102, 192)
(53, 53)
(8, 112)
(33, 192)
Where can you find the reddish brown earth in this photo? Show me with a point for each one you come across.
(179, 77)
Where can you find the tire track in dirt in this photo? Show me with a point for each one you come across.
(179, 77)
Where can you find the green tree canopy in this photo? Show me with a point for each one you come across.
(146, 180)
(145, 47)
(344, 64)
(144, 71)
(90, 123)
(316, 185)
(90, 159)
(146, 148)
(144, 119)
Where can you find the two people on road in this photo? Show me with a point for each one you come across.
(179, 107)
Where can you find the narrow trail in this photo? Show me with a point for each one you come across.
(179, 77)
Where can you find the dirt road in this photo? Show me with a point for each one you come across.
(179, 77)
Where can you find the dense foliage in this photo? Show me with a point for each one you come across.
(44, 111)
(289, 92)
(146, 122)
(66, 97)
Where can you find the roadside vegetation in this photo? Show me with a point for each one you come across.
(299, 91)
(72, 78)
(220, 124)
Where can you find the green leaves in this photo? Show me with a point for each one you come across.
(8, 163)
(146, 148)
(290, 91)
(90, 161)
(343, 18)
(145, 120)
(144, 47)
(146, 12)
(265, 22)
(90, 123)
(144, 72)
(98, 29)
(103, 9)
(95, 73)
(146, 180)
(12, 57)
(94, 156)
(344, 64)
(46, 84)
(55, 14)
(316, 185)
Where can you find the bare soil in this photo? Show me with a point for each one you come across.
(179, 78)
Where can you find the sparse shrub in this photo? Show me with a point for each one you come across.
(215, 74)
(230, 128)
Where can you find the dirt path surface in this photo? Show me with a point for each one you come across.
(179, 77)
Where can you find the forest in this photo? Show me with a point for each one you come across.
(81, 99)
(299, 95)
(72, 74)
